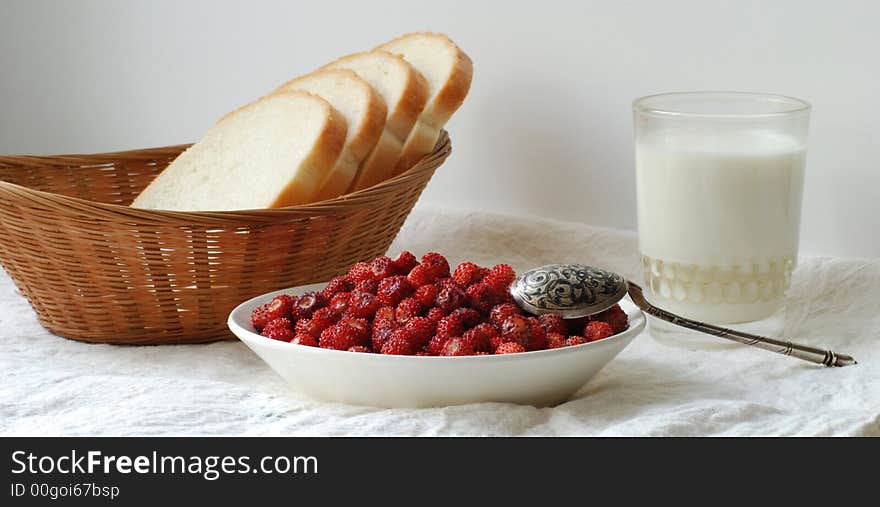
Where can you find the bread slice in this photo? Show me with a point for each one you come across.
(448, 72)
(364, 111)
(405, 93)
(271, 153)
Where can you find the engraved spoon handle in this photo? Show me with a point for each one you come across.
(811, 354)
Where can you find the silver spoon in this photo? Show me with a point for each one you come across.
(576, 290)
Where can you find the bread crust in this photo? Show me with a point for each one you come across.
(379, 164)
(367, 133)
(323, 157)
(420, 142)
(416, 98)
(361, 138)
(452, 94)
(403, 113)
(441, 106)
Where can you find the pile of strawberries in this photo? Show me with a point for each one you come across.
(406, 307)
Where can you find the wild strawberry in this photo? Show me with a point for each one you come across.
(482, 297)
(383, 323)
(336, 337)
(515, 328)
(385, 313)
(438, 263)
(363, 305)
(397, 346)
(426, 295)
(329, 339)
(457, 347)
(421, 329)
(509, 348)
(380, 331)
(368, 286)
(443, 283)
(336, 285)
(361, 272)
(495, 341)
(575, 340)
(466, 273)
(392, 290)
(404, 262)
(359, 348)
(380, 336)
(435, 314)
(481, 336)
(340, 302)
(407, 309)
(507, 297)
(482, 274)
(358, 330)
(306, 326)
(324, 318)
(287, 298)
(500, 277)
(450, 298)
(537, 335)
(421, 275)
(279, 329)
(406, 335)
(423, 353)
(576, 326)
(596, 330)
(502, 311)
(260, 317)
(435, 345)
(468, 316)
(553, 323)
(450, 326)
(280, 306)
(307, 304)
(555, 340)
(615, 317)
(305, 339)
(383, 267)
(481, 353)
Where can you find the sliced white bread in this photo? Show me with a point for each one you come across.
(405, 93)
(448, 72)
(271, 153)
(364, 111)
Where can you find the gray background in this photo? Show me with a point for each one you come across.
(547, 128)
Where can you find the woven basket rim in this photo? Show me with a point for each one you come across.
(326, 207)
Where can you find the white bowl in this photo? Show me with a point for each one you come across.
(540, 378)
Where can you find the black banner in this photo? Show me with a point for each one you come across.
(129, 471)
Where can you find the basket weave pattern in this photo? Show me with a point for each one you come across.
(96, 270)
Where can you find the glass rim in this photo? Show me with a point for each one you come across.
(642, 105)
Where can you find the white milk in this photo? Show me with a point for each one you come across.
(719, 218)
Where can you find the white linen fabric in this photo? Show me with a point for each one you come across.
(660, 385)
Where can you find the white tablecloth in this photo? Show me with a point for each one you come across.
(674, 385)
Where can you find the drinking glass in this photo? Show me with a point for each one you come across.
(719, 178)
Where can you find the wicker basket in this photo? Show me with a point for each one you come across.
(96, 270)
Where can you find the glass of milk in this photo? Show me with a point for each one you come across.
(719, 180)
